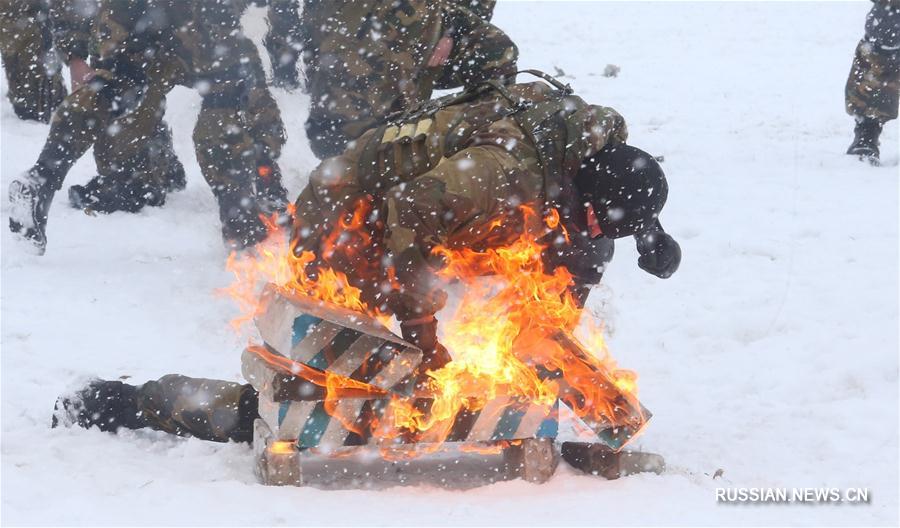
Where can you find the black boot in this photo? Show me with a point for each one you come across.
(29, 198)
(110, 194)
(242, 226)
(865, 140)
(271, 194)
(162, 154)
(107, 404)
(434, 354)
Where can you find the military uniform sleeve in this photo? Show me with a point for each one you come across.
(594, 128)
(72, 22)
(481, 50)
(116, 21)
(484, 9)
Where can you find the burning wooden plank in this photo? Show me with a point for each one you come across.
(589, 389)
(334, 339)
(362, 421)
(309, 342)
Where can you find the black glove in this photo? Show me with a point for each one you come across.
(660, 253)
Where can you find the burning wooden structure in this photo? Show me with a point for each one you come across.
(335, 385)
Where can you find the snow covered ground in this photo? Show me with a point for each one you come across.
(771, 355)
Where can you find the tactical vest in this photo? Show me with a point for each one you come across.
(549, 124)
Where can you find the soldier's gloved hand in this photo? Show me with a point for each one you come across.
(660, 253)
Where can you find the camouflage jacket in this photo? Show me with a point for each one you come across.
(535, 135)
(368, 58)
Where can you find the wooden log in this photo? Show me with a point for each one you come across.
(456, 465)
(331, 338)
(599, 459)
(532, 459)
(277, 462)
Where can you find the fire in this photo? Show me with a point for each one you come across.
(274, 261)
(506, 331)
(512, 335)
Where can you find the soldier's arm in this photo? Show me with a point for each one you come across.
(484, 9)
(481, 51)
(595, 128)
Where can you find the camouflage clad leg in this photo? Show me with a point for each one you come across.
(207, 409)
(873, 87)
(78, 124)
(237, 139)
(32, 68)
(129, 180)
(134, 156)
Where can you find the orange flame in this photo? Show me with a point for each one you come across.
(506, 330)
(512, 335)
(275, 261)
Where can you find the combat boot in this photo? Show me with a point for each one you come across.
(108, 405)
(29, 199)
(865, 140)
(242, 226)
(110, 194)
(423, 334)
(162, 156)
(270, 193)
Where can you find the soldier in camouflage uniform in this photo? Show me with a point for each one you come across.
(455, 172)
(120, 186)
(32, 70)
(126, 181)
(146, 47)
(873, 87)
(366, 59)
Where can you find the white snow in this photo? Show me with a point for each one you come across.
(772, 354)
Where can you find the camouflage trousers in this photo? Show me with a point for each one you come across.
(32, 68)
(116, 113)
(203, 408)
(873, 87)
